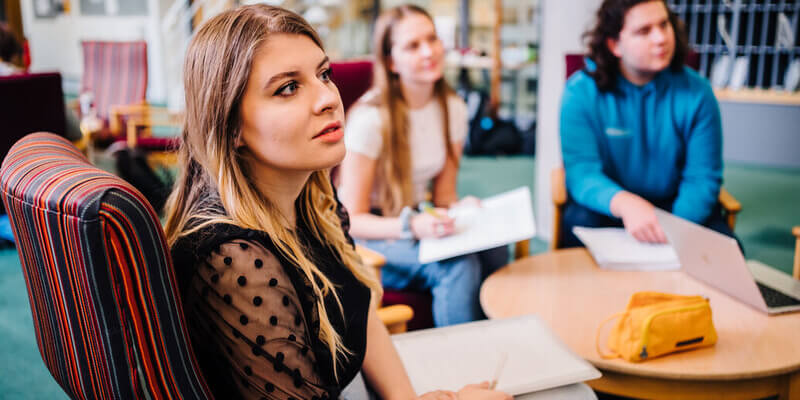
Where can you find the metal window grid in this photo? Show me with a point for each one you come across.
(753, 29)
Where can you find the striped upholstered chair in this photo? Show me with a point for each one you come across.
(102, 290)
(115, 73)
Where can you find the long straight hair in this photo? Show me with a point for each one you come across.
(395, 189)
(213, 171)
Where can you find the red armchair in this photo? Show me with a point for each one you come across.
(30, 103)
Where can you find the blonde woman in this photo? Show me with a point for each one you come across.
(277, 302)
(404, 139)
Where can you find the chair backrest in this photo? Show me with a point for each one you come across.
(101, 285)
(353, 78)
(115, 72)
(575, 62)
(30, 103)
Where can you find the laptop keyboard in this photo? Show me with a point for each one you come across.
(775, 298)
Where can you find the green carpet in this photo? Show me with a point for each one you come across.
(770, 208)
(22, 371)
(770, 200)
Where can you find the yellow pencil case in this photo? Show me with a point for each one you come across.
(655, 324)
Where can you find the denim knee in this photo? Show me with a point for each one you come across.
(455, 285)
(463, 269)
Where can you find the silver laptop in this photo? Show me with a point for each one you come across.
(716, 260)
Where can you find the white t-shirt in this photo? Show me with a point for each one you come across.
(362, 134)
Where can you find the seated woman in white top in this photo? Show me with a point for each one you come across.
(404, 138)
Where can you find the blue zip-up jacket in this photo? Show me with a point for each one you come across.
(661, 141)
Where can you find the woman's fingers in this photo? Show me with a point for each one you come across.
(443, 228)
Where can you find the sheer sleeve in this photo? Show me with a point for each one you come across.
(255, 316)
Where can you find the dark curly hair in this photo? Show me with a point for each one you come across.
(610, 19)
(9, 45)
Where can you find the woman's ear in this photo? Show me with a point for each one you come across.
(238, 143)
(613, 47)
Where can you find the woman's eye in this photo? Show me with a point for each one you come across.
(326, 75)
(287, 89)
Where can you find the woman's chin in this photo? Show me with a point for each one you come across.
(430, 76)
(332, 158)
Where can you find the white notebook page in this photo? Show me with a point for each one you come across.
(501, 219)
(614, 248)
(451, 357)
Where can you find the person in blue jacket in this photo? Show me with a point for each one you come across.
(639, 129)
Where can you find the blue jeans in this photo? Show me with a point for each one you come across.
(454, 283)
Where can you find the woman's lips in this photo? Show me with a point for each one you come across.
(332, 133)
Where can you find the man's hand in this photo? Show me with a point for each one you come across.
(638, 216)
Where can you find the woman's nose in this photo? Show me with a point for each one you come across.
(426, 49)
(327, 98)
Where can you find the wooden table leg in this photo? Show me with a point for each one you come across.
(791, 390)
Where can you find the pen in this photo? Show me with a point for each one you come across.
(500, 365)
(430, 210)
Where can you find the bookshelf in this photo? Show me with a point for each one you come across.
(748, 49)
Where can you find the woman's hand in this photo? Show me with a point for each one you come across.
(439, 395)
(432, 224)
(481, 391)
(638, 216)
(467, 201)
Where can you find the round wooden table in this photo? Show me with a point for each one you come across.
(756, 355)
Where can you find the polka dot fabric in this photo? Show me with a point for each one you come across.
(255, 313)
(254, 319)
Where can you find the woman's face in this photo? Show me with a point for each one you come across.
(417, 53)
(291, 111)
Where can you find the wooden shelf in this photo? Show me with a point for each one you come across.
(759, 96)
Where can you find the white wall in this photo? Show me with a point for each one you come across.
(563, 23)
(55, 42)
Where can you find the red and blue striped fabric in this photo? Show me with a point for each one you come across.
(102, 289)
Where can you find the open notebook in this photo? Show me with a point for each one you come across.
(501, 219)
(449, 358)
(614, 248)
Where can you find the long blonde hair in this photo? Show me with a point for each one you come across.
(213, 171)
(395, 189)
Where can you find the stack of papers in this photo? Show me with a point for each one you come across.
(522, 352)
(501, 219)
(614, 248)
